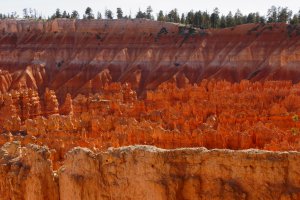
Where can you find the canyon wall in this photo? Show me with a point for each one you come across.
(146, 172)
(81, 56)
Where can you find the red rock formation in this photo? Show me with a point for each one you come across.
(51, 103)
(213, 114)
(67, 107)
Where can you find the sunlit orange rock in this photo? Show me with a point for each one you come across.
(150, 173)
(50, 102)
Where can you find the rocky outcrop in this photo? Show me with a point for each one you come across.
(146, 172)
(51, 103)
(26, 173)
(81, 56)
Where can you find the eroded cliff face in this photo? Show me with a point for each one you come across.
(26, 173)
(146, 172)
(70, 56)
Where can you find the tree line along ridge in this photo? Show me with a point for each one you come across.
(199, 19)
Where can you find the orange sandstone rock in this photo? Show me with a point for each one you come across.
(147, 172)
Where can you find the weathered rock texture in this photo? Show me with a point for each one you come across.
(26, 173)
(213, 114)
(146, 172)
(81, 56)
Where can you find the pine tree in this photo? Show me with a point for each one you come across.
(223, 22)
(206, 20)
(284, 15)
(140, 14)
(251, 18)
(119, 13)
(295, 20)
(198, 19)
(238, 17)
(57, 13)
(160, 16)
(182, 19)
(89, 13)
(257, 17)
(190, 17)
(215, 19)
(149, 13)
(272, 14)
(229, 20)
(108, 14)
(64, 15)
(25, 13)
(173, 16)
(262, 20)
(75, 14)
(99, 16)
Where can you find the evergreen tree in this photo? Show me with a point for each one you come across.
(215, 19)
(295, 20)
(140, 14)
(75, 14)
(57, 13)
(206, 20)
(257, 17)
(238, 17)
(173, 16)
(119, 13)
(149, 13)
(272, 14)
(262, 20)
(284, 14)
(229, 20)
(160, 16)
(64, 15)
(2, 16)
(89, 13)
(108, 14)
(31, 16)
(182, 19)
(99, 16)
(13, 15)
(223, 22)
(190, 17)
(251, 18)
(25, 13)
(198, 19)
